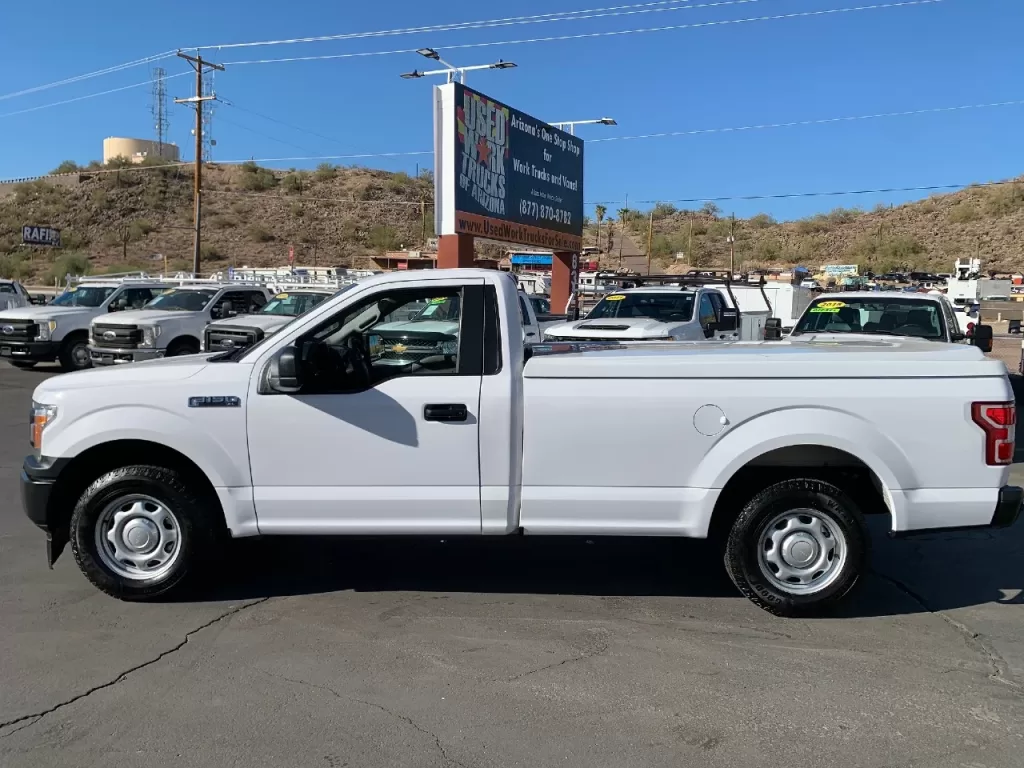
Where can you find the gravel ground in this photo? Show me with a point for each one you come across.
(518, 652)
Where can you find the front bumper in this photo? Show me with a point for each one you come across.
(36, 351)
(38, 479)
(111, 356)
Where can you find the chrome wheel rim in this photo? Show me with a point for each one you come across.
(138, 537)
(802, 551)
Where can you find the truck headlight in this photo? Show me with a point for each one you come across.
(149, 335)
(41, 417)
(46, 329)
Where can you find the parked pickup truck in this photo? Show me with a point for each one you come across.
(60, 330)
(13, 295)
(692, 310)
(874, 314)
(237, 333)
(172, 324)
(776, 449)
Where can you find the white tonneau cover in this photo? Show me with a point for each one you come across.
(900, 358)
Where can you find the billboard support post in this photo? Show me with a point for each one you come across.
(455, 251)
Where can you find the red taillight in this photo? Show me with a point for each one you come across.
(970, 329)
(999, 422)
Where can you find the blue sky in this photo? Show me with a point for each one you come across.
(940, 54)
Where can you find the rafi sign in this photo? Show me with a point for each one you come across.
(33, 235)
(503, 175)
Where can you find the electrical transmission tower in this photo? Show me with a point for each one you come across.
(158, 107)
(207, 108)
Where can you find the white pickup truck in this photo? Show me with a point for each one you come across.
(873, 314)
(172, 324)
(13, 295)
(237, 333)
(60, 330)
(776, 449)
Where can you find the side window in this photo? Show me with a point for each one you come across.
(717, 304)
(137, 298)
(950, 319)
(524, 312)
(706, 311)
(256, 301)
(415, 332)
(242, 302)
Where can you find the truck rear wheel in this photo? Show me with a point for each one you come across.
(797, 547)
(138, 532)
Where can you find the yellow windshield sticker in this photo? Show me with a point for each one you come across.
(825, 310)
(831, 305)
(440, 300)
(617, 297)
(72, 288)
(281, 296)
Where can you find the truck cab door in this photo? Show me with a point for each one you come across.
(383, 435)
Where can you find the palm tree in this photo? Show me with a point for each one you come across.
(599, 212)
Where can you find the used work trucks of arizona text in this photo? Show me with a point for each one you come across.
(777, 449)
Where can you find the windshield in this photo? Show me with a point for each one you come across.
(292, 304)
(444, 308)
(663, 307)
(7, 288)
(896, 316)
(182, 299)
(83, 296)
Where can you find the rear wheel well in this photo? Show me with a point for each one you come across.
(100, 459)
(831, 465)
(184, 339)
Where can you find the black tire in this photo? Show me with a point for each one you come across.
(195, 519)
(74, 353)
(23, 364)
(743, 546)
(183, 347)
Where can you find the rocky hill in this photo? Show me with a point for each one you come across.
(134, 218)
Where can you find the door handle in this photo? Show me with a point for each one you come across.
(445, 412)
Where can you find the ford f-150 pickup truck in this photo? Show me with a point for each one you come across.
(777, 450)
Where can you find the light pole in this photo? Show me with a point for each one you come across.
(573, 123)
(450, 70)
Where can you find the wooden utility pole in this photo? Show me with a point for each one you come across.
(196, 102)
(650, 239)
(732, 246)
(423, 222)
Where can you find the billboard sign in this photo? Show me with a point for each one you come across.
(840, 270)
(34, 235)
(503, 175)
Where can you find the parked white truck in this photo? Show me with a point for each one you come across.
(171, 324)
(60, 330)
(13, 295)
(694, 309)
(777, 449)
(237, 333)
(859, 314)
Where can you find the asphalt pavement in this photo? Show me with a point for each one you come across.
(505, 652)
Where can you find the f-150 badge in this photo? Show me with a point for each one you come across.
(215, 401)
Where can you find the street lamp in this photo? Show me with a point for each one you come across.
(450, 70)
(573, 123)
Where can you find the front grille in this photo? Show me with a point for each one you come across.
(116, 336)
(408, 352)
(18, 330)
(224, 339)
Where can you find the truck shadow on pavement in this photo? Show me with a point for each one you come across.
(906, 576)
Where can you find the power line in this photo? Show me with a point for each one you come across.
(88, 75)
(264, 135)
(88, 96)
(611, 33)
(819, 121)
(307, 198)
(281, 122)
(581, 15)
(833, 193)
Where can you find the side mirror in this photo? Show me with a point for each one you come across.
(728, 322)
(773, 329)
(38, 298)
(982, 337)
(284, 373)
(227, 309)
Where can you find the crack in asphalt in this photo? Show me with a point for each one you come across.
(397, 715)
(571, 660)
(974, 640)
(121, 677)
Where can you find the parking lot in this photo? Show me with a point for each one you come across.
(527, 652)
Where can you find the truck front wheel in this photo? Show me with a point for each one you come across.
(797, 547)
(138, 532)
(74, 353)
